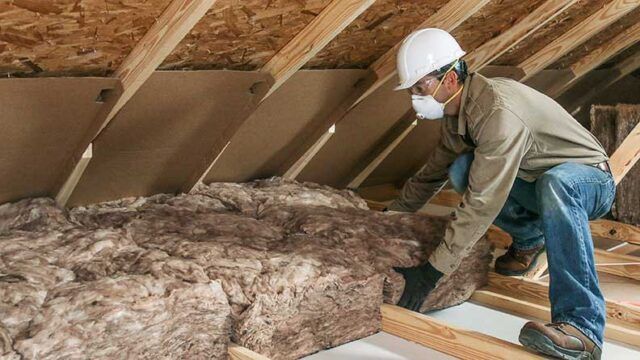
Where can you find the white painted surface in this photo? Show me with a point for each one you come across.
(470, 316)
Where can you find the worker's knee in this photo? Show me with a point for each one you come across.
(459, 172)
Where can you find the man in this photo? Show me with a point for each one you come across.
(521, 162)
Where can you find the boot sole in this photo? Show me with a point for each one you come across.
(523, 272)
(536, 341)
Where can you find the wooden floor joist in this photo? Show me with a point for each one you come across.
(237, 352)
(577, 35)
(432, 333)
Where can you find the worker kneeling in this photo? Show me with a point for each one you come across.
(520, 162)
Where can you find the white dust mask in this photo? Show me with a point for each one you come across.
(427, 107)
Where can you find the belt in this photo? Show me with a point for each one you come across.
(604, 166)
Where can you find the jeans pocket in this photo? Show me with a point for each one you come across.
(607, 202)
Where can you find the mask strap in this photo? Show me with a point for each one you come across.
(454, 95)
(443, 76)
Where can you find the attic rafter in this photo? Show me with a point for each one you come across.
(576, 36)
(597, 57)
(334, 18)
(476, 60)
(448, 17)
(626, 155)
(170, 28)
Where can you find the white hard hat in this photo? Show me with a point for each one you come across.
(423, 52)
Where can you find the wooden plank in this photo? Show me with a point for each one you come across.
(577, 35)
(381, 150)
(615, 231)
(618, 264)
(497, 46)
(314, 37)
(517, 306)
(432, 333)
(237, 352)
(447, 17)
(65, 192)
(297, 168)
(597, 57)
(169, 29)
(626, 155)
(624, 315)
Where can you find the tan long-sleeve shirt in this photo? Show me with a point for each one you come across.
(514, 131)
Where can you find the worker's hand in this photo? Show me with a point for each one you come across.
(419, 282)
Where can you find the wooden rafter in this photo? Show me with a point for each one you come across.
(476, 60)
(381, 150)
(626, 155)
(170, 28)
(597, 57)
(448, 17)
(334, 18)
(576, 36)
(237, 352)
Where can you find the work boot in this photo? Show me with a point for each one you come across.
(518, 262)
(560, 340)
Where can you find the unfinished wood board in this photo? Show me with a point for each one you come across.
(280, 123)
(602, 38)
(543, 36)
(360, 129)
(612, 125)
(57, 37)
(163, 134)
(409, 154)
(42, 121)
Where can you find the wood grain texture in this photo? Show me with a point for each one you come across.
(313, 38)
(618, 264)
(63, 195)
(615, 230)
(432, 333)
(382, 149)
(497, 46)
(299, 165)
(626, 155)
(597, 57)
(237, 352)
(577, 35)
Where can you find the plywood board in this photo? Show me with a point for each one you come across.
(356, 135)
(285, 117)
(162, 135)
(42, 121)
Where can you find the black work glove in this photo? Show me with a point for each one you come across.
(419, 282)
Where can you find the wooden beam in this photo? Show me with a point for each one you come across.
(383, 148)
(623, 69)
(460, 343)
(618, 264)
(615, 230)
(334, 18)
(65, 192)
(447, 17)
(537, 292)
(626, 155)
(577, 35)
(597, 57)
(497, 46)
(169, 29)
(302, 162)
(513, 304)
(237, 352)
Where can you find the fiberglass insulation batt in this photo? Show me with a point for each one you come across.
(282, 268)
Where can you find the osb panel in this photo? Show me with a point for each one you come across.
(242, 35)
(547, 33)
(601, 38)
(389, 21)
(374, 32)
(77, 37)
(158, 140)
(269, 136)
(42, 122)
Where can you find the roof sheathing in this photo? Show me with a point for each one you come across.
(547, 33)
(70, 37)
(242, 35)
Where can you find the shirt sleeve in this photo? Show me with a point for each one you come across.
(502, 141)
(426, 182)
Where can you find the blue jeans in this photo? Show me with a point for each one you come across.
(555, 210)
